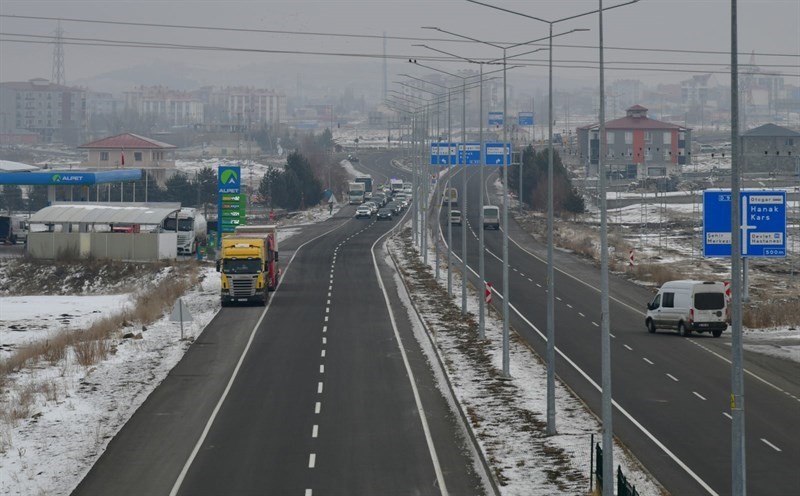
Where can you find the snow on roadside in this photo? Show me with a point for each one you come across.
(77, 410)
(508, 417)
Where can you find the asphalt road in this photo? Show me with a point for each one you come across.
(325, 391)
(671, 394)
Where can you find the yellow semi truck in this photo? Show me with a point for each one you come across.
(248, 264)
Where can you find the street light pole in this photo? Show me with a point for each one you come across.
(550, 355)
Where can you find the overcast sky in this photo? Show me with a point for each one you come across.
(765, 27)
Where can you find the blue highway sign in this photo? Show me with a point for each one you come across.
(495, 118)
(525, 118)
(494, 154)
(762, 224)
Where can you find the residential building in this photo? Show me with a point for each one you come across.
(56, 113)
(770, 148)
(637, 147)
(130, 150)
(242, 106)
(170, 107)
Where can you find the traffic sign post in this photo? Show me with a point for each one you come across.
(762, 223)
(469, 154)
(525, 118)
(494, 154)
(495, 119)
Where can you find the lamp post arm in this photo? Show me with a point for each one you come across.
(557, 20)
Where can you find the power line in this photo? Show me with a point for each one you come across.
(376, 37)
(525, 63)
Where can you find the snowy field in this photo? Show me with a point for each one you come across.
(80, 409)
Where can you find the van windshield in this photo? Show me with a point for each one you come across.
(709, 301)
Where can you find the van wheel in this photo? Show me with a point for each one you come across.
(716, 333)
(682, 330)
(651, 327)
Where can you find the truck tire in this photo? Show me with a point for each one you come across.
(683, 330)
(651, 327)
(716, 333)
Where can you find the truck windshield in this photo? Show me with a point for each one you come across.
(241, 266)
(709, 301)
(183, 224)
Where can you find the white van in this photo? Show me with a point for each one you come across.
(455, 217)
(689, 306)
(491, 217)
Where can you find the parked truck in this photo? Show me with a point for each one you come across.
(248, 264)
(355, 193)
(191, 227)
(13, 229)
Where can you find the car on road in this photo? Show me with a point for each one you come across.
(689, 306)
(363, 211)
(455, 217)
(384, 214)
(394, 206)
(372, 206)
(491, 217)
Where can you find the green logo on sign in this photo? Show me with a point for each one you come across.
(56, 178)
(229, 176)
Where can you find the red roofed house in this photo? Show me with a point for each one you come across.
(131, 151)
(637, 147)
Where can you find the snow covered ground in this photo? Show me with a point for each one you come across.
(77, 410)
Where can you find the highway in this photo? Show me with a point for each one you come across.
(671, 394)
(324, 391)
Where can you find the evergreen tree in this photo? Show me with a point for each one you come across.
(12, 198)
(534, 182)
(179, 189)
(37, 197)
(205, 183)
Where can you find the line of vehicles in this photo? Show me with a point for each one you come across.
(385, 204)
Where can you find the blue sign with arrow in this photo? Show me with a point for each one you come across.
(494, 154)
(762, 223)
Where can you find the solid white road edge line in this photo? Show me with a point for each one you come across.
(176, 487)
(423, 419)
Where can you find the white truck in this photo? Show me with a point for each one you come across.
(192, 229)
(13, 229)
(355, 193)
(396, 185)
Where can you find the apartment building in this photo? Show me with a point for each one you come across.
(637, 147)
(56, 113)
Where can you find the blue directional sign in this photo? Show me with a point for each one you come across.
(494, 154)
(762, 224)
(495, 118)
(444, 153)
(469, 154)
(525, 118)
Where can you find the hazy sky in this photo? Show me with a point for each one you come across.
(765, 27)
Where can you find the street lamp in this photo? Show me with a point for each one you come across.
(463, 182)
(481, 249)
(608, 460)
(504, 48)
(423, 199)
